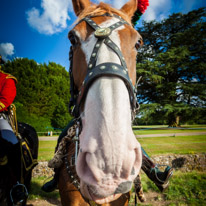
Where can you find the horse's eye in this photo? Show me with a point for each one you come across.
(73, 38)
(139, 44)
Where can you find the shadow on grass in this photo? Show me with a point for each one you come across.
(184, 189)
(179, 162)
(36, 193)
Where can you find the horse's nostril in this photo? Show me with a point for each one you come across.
(123, 187)
(133, 171)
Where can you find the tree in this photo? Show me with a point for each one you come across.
(172, 63)
(41, 90)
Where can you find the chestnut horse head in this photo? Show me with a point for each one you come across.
(104, 74)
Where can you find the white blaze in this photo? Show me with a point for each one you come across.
(109, 150)
(107, 55)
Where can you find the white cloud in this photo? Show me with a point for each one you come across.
(115, 3)
(6, 50)
(53, 15)
(157, 10)
(52, 19)
(119, 3)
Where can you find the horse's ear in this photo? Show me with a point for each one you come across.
(80, 5)
(130, 7)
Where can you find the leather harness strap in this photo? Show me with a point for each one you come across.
(105, 69)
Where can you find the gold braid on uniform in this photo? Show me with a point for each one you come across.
(13, 118)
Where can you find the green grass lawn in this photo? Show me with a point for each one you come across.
(36, 191)
(164, 129)
(153, 145)
(46, 150)
(185, 188)
(174, 145)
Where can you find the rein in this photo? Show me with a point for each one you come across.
(70, 163)
(105, 69)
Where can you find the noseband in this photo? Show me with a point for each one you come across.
(105, 69)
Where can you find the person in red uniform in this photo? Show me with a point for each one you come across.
(7, 90)
(10, 153)
(7, 96)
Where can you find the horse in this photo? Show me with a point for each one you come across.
(105, 157)
(29, 143)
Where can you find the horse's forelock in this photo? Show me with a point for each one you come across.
(102, 8)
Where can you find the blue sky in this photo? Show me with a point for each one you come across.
(37, 29)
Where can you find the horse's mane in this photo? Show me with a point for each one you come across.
(102, 8)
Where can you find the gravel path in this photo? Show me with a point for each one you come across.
(54, 138)
(172, 134)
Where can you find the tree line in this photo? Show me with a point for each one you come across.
(172, 64)
(172, 90)
(42, 93)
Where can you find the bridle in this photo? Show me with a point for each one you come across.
(105, 69)
(93, 72)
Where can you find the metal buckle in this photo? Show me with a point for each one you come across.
(3, 116)
(102, 33)
(76, 140)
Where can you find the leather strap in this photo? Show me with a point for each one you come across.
(105, 69)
